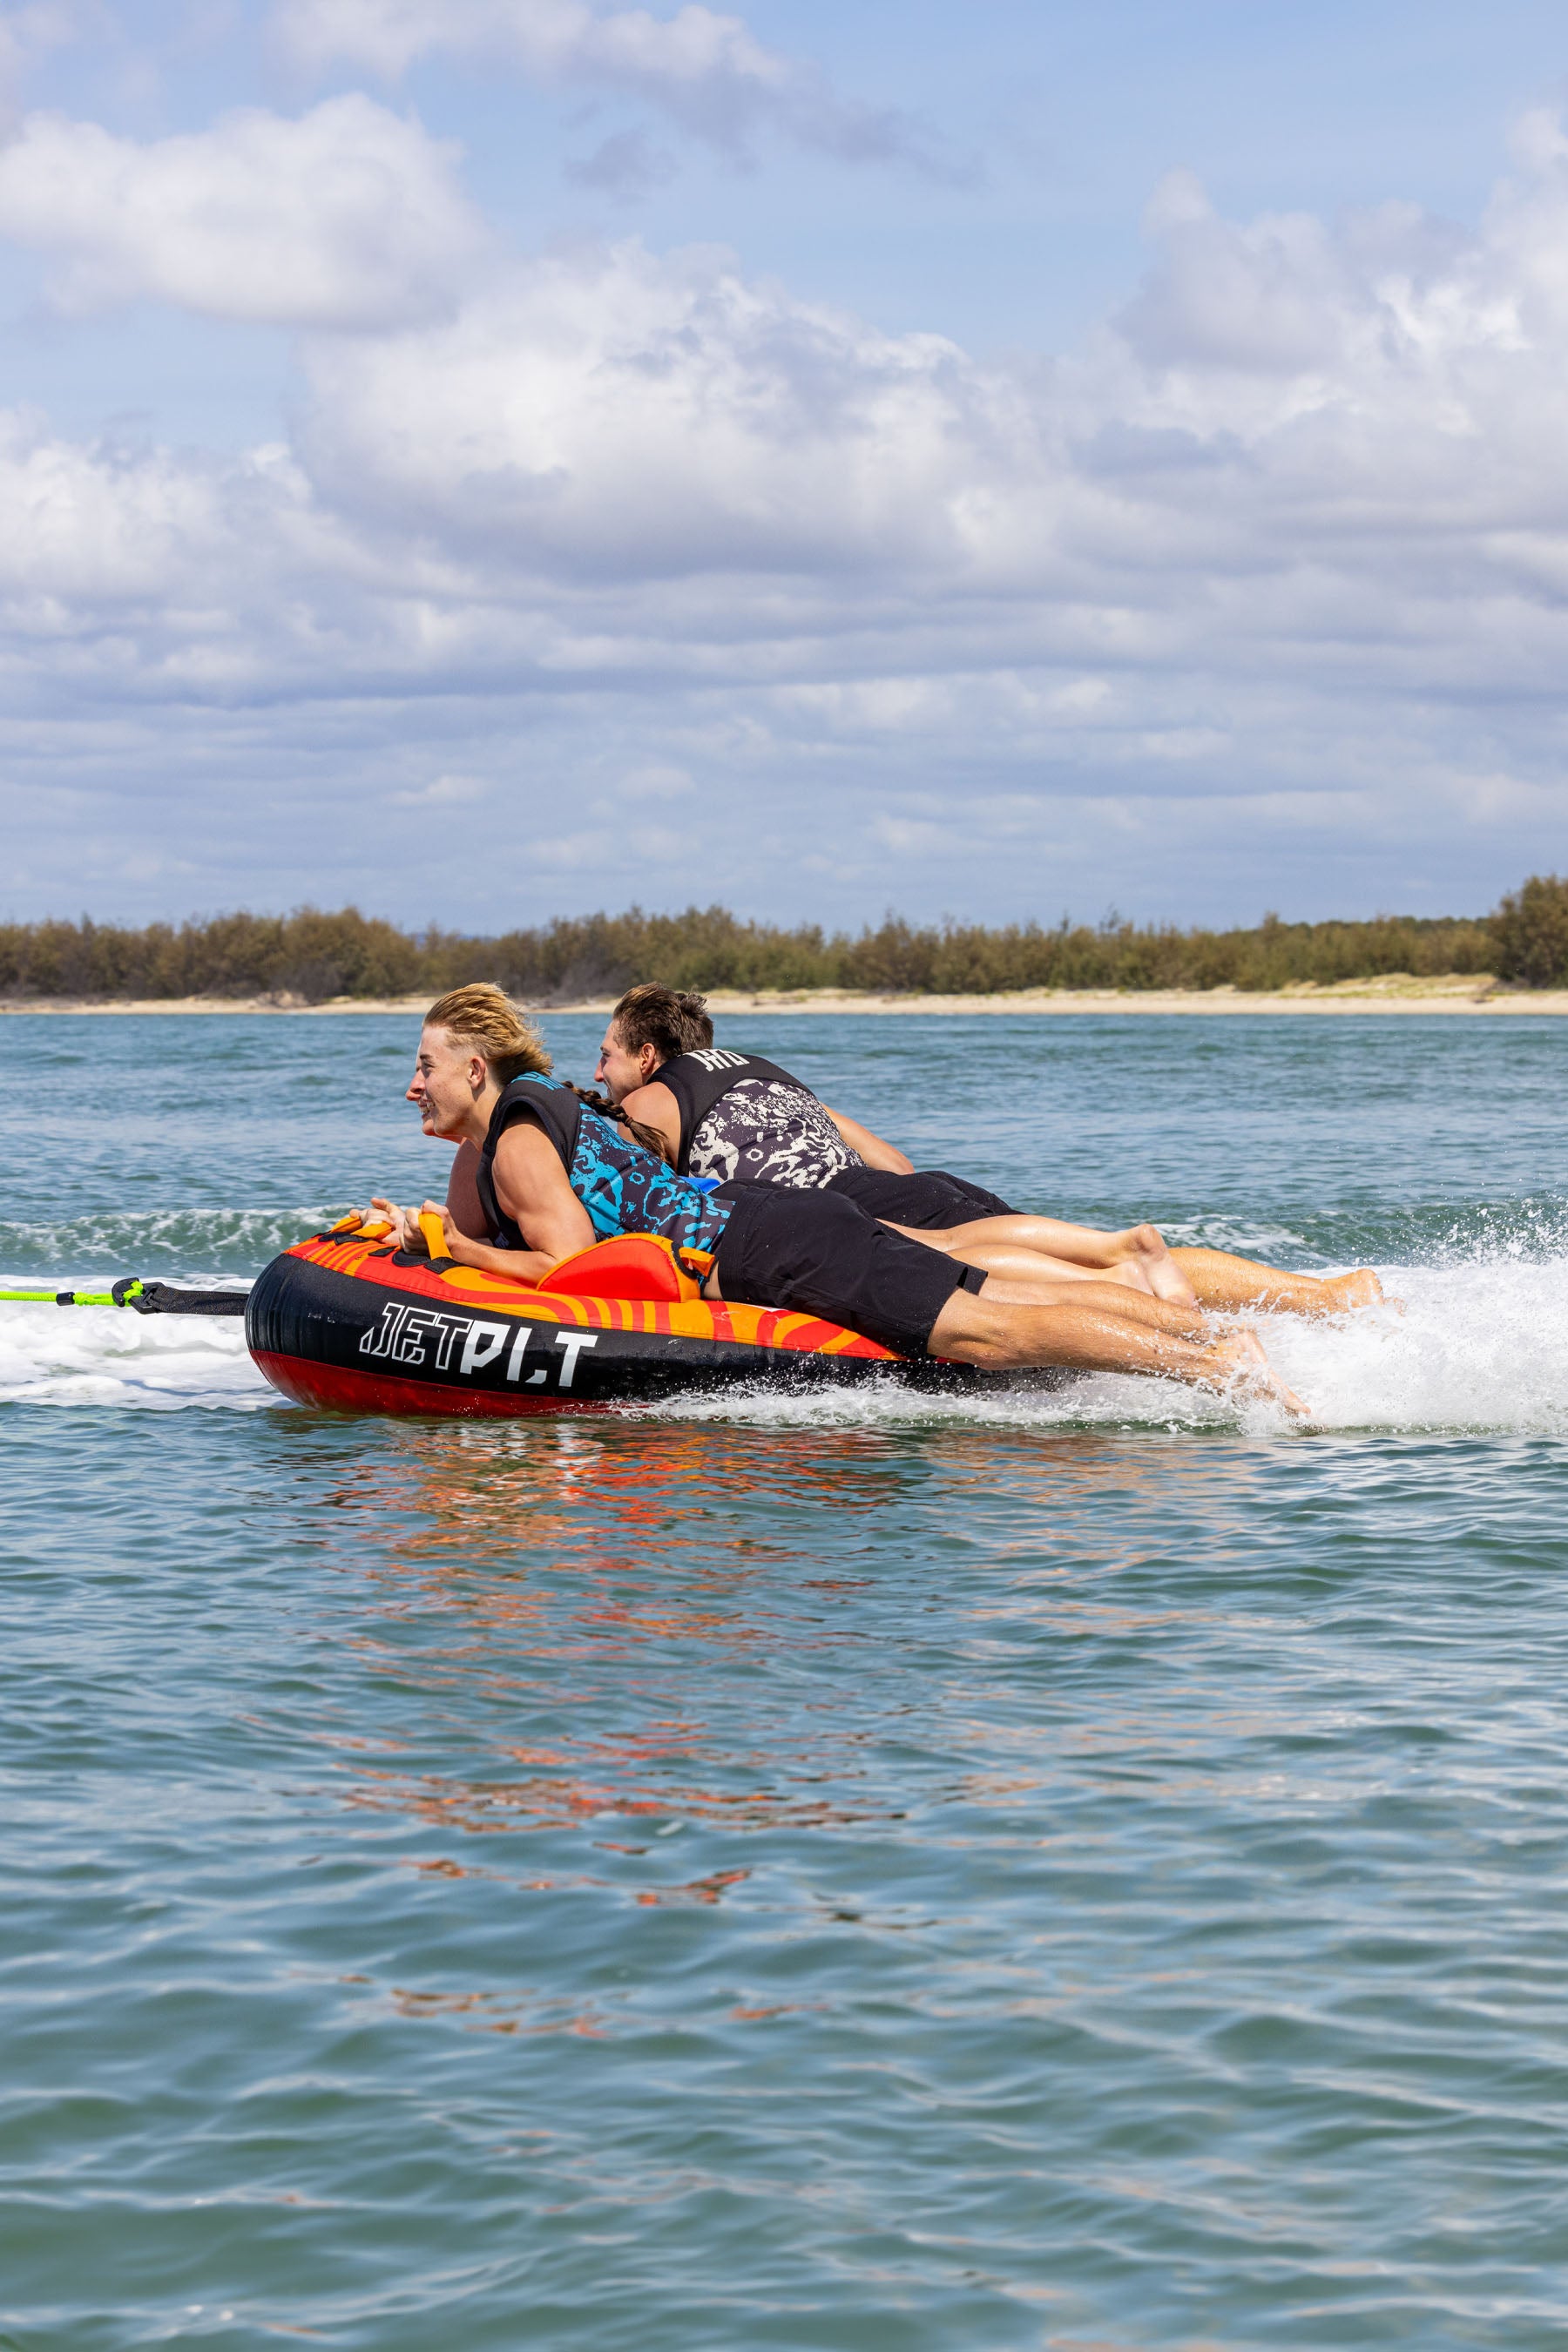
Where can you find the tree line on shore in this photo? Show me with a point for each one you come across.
(312, 956)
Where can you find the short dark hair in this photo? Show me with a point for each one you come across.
(673, 1019)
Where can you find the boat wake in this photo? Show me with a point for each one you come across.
(1482, 1346)
(110, 1356)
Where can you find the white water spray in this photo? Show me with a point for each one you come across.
(111, 1356)
(1483, 1346)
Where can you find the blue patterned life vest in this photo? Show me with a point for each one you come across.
(625, 1189)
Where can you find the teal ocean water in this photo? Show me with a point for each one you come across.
(899, 1875)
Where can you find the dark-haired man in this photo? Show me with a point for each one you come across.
(736, 1117)
(548, 1174)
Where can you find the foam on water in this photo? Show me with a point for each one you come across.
(1482, 1346)
(108, 1356)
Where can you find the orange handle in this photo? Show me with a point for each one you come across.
(435, 1234)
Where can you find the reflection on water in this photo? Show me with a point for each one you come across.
(637, 1618)
(665, 1538)
(1071, 1851)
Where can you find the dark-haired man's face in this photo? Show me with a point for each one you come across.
(620, 1071)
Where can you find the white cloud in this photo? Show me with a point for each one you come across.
(347, 217)
(89, 530)
(551, 38)
(443, 792)
(1289, 538)
(609, 415)
(707, 71)
(1259, 460)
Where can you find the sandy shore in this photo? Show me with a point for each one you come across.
(1398, 992)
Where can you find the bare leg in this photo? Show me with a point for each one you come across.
(1233, 1284)
(1137, 1258)
(1000, 1337)
(988, 1244)
(1029, 1283)
(1137, 1255)
(1087, 1329)
(1031, 1287)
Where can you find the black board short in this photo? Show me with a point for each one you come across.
(817, 1254)
(929, 1200)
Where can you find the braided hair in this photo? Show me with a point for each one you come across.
(649, 1136)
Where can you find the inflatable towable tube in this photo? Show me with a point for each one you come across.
(345, 1322)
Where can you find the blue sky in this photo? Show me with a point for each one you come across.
(500, 457)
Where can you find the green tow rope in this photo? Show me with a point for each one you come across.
(124, 1293)
(146, 1297)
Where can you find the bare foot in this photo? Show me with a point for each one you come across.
(1343, 1293)
(1321, 1296)
(1134, 1274)
(1147, 1250)
(1241, 1364)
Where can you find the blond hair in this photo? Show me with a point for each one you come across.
(484, 1018)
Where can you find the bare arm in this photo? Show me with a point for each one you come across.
(656, 1106)
(463, 1192)
(463, 1203)
(871, 1147)
(530, 1186)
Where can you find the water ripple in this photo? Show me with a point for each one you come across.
(1074, 1871)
